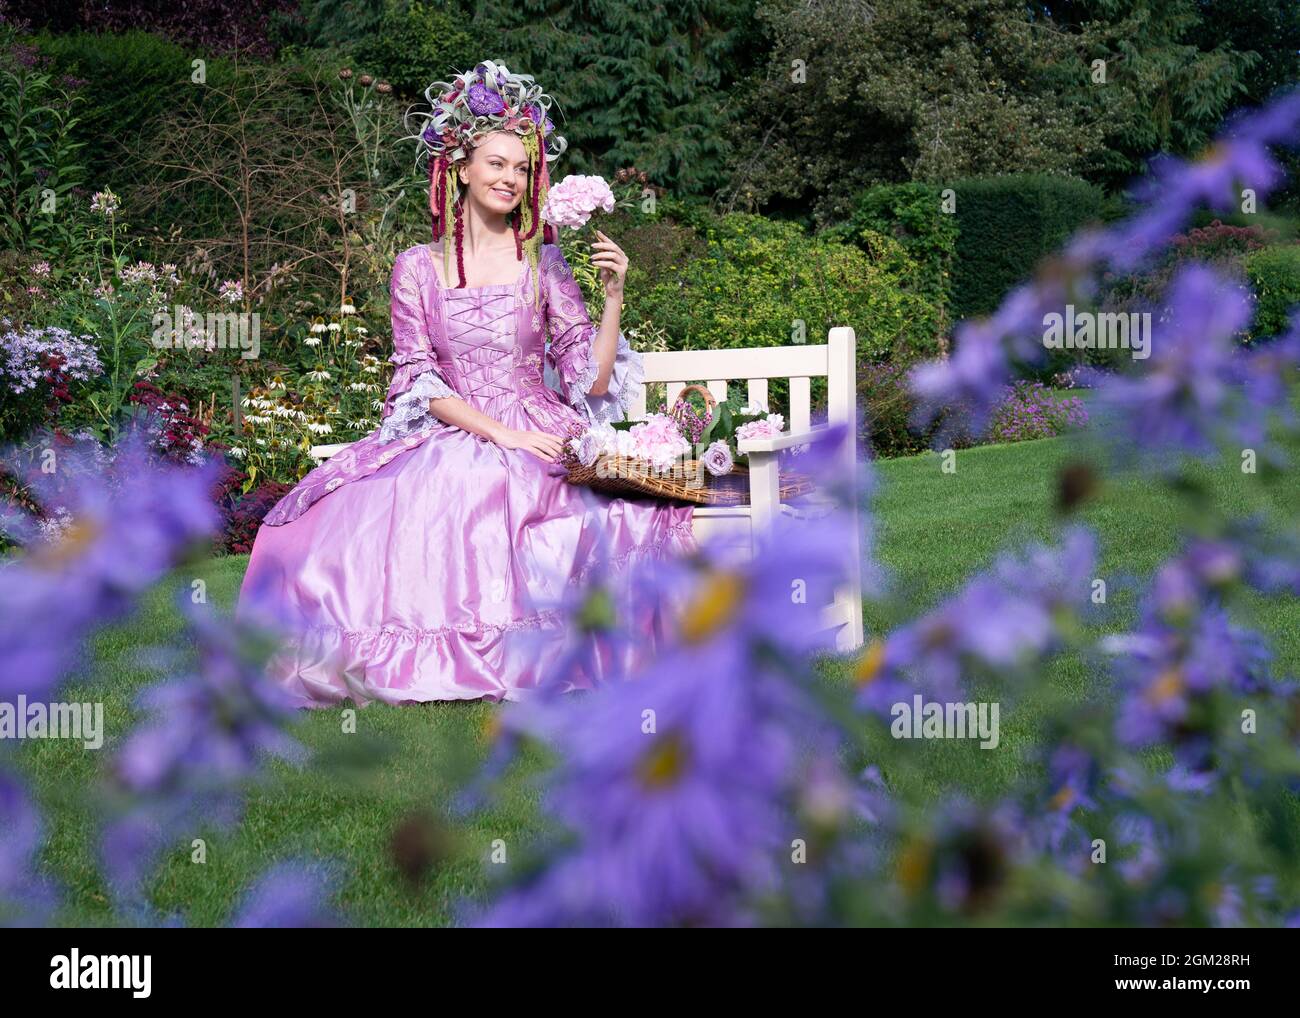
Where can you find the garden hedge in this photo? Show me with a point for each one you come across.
(1006, 225)
(1274, 274)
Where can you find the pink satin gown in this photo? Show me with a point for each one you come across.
(407, 563)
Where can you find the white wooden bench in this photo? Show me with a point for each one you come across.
(740, 526)
(836, 361)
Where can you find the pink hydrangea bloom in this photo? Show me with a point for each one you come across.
(572, 201)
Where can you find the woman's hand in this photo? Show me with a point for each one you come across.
(612, 262)
(544, 446)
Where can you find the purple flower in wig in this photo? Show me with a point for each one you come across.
(128, 522)
(288, 896)
(483, 101)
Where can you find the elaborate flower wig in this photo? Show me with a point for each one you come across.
(461, 113)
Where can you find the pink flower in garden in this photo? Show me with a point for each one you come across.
(232, 291)
(572, 201)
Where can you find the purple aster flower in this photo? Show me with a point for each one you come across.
(984, 350)
(963, 858)
(26, 899)
(1189, 394)
(1144, 854)
(677, 788)
(209, 733)
(129, 522)
(288, 896)
(1168, 668)
(1000, 621)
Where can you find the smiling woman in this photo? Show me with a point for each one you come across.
(408, 563)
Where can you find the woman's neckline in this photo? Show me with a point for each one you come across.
(472, 289)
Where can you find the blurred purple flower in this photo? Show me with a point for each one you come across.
(131, 520)
(26, 899)
(984, 350)
(288, 896)
(676, 788)
(1189, 393)
(1000, 621)
(210, 732)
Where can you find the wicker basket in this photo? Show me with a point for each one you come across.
(686, 480)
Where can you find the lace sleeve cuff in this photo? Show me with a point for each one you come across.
(410, 411)
(615, 403)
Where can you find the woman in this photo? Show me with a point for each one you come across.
(425, 561)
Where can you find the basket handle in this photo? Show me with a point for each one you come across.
(710, 401)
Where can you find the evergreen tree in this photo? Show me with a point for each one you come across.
(637, 84)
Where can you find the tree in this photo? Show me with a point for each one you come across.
(1170, 75)
(642, 85)
(859, 93)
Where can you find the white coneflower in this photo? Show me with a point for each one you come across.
(347, 309)
(371, 369)
(256, 419)
(362, 424)
(352, 342)
(105, 202)
(282, 412)
(376, 404)
(260, 441)
(358, 387)
(238, 452)
(318, 375)
(318, 327)
(276, 383)
(319, 428)
(312, 340)
(362, 330)
(334, 326)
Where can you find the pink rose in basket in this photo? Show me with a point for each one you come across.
(717, 459)
(572, 201)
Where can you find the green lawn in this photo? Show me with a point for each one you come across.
(932, 530)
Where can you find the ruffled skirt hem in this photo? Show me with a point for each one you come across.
(326, 665)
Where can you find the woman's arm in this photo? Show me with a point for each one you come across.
(583, 354)
(612, 262)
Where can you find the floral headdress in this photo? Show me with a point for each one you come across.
(461, 113)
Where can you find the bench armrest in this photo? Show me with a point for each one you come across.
(786, 440)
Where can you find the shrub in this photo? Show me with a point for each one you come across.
(416, 43)
(1274, 272)
(911, 215)
(126, 79)
(1006, 225)
(887, 404)
(1031, 410)
(763, 282)
(242, 512)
